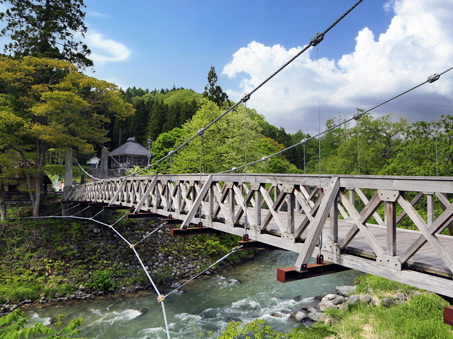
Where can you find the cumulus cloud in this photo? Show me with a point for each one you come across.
(417, 43)
(104, 50)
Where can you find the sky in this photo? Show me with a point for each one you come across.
(382, 48)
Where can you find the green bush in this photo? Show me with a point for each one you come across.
(102, 280)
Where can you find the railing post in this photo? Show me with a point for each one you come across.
(258, 203)
(290, 221)
(430, 208)
(334, 222)
(231, 201)
(390, 216)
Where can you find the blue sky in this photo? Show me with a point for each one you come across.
(379, 50)
(176, 42)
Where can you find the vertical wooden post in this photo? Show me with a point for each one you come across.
(257, 205)
(352, 197)
(231, 202)
(178, 197)
(390, 214)
(430, 208)
(290, 204)
(211, 201)
(334, 222)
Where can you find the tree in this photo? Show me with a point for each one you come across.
(50, 104)
(214, 92)
(46, 29)
(13, 324)
(427, 149)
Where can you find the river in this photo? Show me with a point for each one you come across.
(243, 293)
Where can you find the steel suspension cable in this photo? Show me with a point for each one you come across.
(316, 39)
(356, 117)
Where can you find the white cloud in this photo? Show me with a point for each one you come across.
(417, 43)
(105, 50)
(98, 15)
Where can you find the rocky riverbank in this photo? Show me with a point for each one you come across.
(344, 297)
(59, 260)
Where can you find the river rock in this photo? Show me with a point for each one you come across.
(353, 299)
(345, 290)
(339, 299)
(276, 315)
(326, 304)
(298, 316)
(316, 316)
(366, 298)
(329, 297)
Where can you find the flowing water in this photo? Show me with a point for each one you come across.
(243, 293)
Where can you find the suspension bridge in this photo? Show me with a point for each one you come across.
(388, 226)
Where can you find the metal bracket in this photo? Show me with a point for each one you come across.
(288, 236)
(288, 188)
(255, 186)
(332, 247)
(390, 262)
(388, 195)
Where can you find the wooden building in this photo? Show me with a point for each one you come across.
(127, 156)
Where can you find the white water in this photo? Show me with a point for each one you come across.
(244, 293)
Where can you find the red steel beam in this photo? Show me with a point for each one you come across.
(252, 244)
(192, 231)
(448, 315)
(313, 270)
(141, 215)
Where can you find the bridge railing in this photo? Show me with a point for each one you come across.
(358, 215)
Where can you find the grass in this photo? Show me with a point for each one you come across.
(421, 317)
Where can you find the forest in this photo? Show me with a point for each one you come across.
(373, 145)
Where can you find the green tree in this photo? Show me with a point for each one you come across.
(372, 142)
(419, 155)
(214, 92)
(157, 117)
(46, 29)
(53, 104)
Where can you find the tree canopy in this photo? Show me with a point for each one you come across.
(48, 104)
(46, 29)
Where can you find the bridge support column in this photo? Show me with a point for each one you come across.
(67, 174)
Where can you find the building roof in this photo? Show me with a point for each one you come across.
(131, 147)
(93, 160)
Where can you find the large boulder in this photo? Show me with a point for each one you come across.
(345, 290)
(298, 316)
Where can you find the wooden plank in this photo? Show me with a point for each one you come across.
(390, 214)
(272, 209)
(365, 200)
(197, 202)
(420, 223)
(146, 195)
(318, 223)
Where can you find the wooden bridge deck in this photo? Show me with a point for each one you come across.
(292, 212)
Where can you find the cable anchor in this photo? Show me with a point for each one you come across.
(357, 116)
(317, 39)
(245, 98)
(433, 78)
